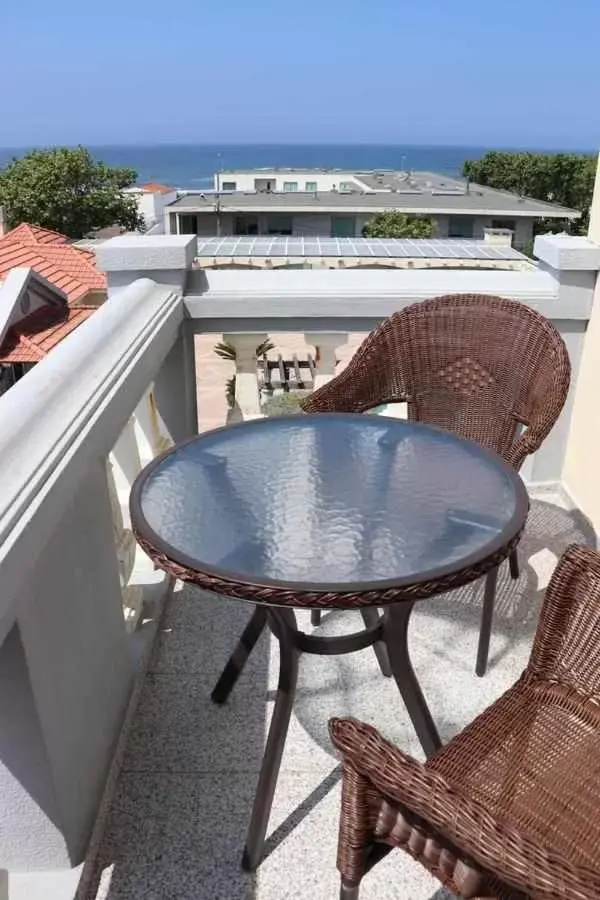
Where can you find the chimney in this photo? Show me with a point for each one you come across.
(3, 228)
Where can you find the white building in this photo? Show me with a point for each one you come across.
(152, 198)
(337, 203)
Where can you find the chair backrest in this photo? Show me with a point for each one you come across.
(477, 365)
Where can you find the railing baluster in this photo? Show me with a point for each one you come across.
(247, 395)
(325, 344)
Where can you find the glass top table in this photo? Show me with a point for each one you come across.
(327, 511)
(332, 504)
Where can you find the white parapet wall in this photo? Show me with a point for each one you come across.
(581, 473)
(67, 563)
(326, 305)
(335, 303)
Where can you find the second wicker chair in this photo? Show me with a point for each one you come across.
(488, 369)
(509, 809)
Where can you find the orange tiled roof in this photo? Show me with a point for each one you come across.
(69, 268)
(34, 336)
(33, 234)
(155, 187)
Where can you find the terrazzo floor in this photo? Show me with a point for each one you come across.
(176, 826)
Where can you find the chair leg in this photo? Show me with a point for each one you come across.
(487, 615)
(315, 617)
(370, 617)
(348, 891)
(513, 562)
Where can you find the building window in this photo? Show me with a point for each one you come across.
(279, 225)
(343, 226)
(312, 187)
(265, 184)
(505, 223)
(461, 226)
(245, 225)
(347, 186)
(188, 224)
(229, 186)
(290, 186)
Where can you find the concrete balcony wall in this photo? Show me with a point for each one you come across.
(68, 565)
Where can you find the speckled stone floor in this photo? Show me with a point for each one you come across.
(176, 826)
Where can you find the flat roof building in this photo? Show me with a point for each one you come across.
(337, 203)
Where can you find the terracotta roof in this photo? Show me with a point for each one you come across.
(33, 234)
(48, 253)
(155, 187)
(34, 336)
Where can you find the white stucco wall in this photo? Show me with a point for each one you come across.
(580, 472)
(152, 206)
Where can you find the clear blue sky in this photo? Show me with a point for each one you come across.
(506, 73)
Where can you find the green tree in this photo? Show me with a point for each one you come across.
(394, 224)
(67, 190)
(564, 178)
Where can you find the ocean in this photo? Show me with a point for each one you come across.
(190, 166)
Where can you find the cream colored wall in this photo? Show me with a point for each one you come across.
(581, 472)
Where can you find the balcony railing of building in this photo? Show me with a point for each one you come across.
(78, 601)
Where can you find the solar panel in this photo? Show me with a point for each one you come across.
(381, 248)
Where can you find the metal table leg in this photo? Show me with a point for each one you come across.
(487, 616)
(283, 624)
(387, 633)
(513, 561)
(395, 633)
(370, 616)
(238, 658)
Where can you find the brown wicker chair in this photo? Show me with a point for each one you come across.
(490, 370)
(510, 808)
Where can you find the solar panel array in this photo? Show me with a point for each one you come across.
(380, 248)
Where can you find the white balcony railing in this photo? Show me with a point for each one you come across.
(73, 435)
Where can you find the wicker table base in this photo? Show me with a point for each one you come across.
(386, 633)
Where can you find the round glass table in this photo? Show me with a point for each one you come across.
(326, 511)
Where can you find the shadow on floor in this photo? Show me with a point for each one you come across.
(177, 824)
(549, 531)
(443, 637)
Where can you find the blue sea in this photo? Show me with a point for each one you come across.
(192, 166)
(189, 166)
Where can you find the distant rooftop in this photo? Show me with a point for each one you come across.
(415, 192)
(151, 187)
(155, 187)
